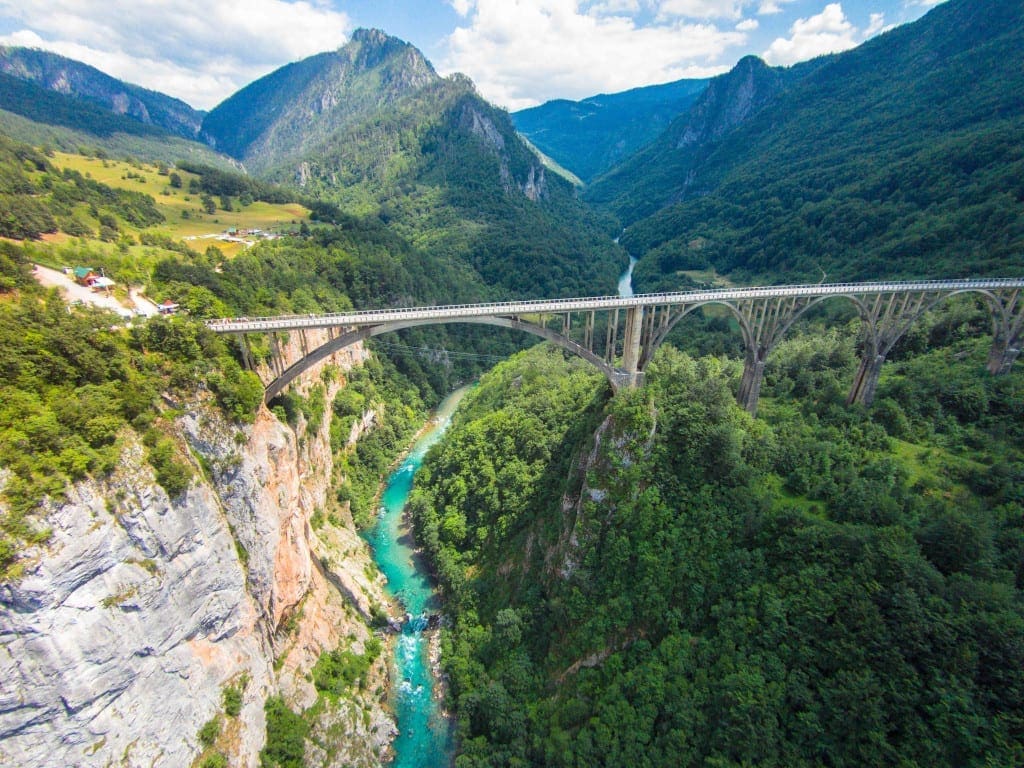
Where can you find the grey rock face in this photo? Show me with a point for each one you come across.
(118, 641)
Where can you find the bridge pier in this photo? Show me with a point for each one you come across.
(1007, 329)
(1003, 355)
(750, 384)
(246, 352)
(631, 339)
(866, 380)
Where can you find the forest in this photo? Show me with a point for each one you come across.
(657, 579)
(901, 157)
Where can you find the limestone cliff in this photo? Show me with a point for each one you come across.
(117, 644)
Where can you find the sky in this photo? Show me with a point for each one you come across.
(518, 52)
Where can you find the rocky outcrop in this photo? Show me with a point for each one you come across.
(119, 640)
(613, 448)
(534, 185)
(730, 100)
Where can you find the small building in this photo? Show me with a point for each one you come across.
(84, 275)
(101, 283)
(167, 308)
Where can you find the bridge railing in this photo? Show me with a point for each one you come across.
(538, 306)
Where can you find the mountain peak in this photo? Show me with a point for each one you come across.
(298, 106)
(373, 48)
(371, 36)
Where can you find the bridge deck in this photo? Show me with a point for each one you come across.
(534, 307)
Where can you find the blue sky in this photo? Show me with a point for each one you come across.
(518, 52)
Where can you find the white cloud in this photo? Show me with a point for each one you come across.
(527, 51)
(701, 9)
(769, 7)
(748, 25)
(877, 25)
(614, 7)
(828, 32)
(198, 50)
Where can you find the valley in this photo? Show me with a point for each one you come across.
(677, 494)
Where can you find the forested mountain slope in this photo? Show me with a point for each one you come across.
(590, 136)
(295, 109)
(46, 100)
(660, 580)
(374, 129)
(65, 76)
(900, 157)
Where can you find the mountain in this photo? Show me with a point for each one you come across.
(47, 100)
(728, 101)
(73, 78)
(900, 157)
(373, 128)
(295, 108)
(590, 136)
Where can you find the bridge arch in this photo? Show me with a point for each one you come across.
(747, 332)
(614, 376)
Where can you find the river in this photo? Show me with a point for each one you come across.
(424, 738)
(424, 732)
(626, 281)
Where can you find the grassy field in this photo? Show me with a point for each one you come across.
(173, 202)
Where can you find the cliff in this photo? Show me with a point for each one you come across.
(118, 643)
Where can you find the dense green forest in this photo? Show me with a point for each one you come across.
(901, 157)
(820, 586)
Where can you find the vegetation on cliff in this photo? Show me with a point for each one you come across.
(72, 380)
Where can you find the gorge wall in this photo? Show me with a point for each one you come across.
(119, 640)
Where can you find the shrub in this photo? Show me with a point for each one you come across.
(286, 736)
(209, 732)
(232, 701)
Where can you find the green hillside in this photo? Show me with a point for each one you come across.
(901, 157)
(32, 114)
(686, 586)
(590, 136)
(373, 129)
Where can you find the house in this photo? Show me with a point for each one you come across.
(167, 308)
(84, 275)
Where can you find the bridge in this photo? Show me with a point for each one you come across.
(619, 335)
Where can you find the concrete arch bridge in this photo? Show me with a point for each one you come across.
(619, 336)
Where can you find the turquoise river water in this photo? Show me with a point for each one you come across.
(424, 738)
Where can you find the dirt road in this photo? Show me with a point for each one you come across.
(52, 278)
